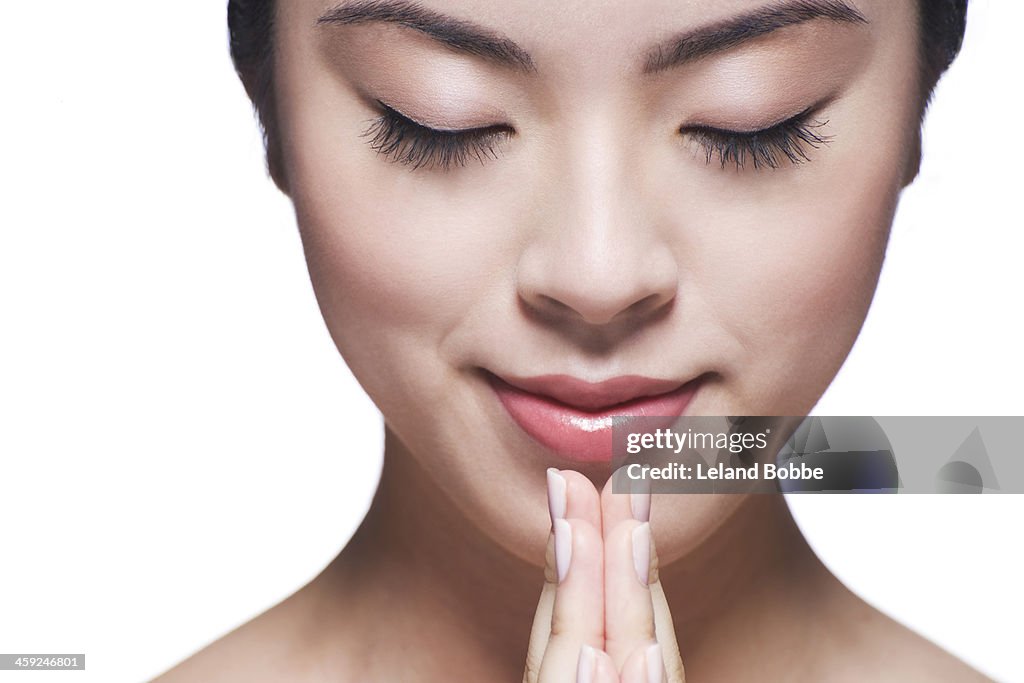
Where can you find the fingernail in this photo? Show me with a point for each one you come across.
(556, 494)
(642, 552)
(586, 665)
(640, 504)
(563, 547)
(655, 667)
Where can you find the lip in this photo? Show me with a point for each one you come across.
(574, 418)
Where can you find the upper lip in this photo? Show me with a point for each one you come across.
(592, 396)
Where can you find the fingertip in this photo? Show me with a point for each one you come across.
(585, 668)
(557, 489)
(563, 547)
(582, 500)
(641, 541)
(640, 501)
(644, 664)
(614, 508)
(595, 666)
(629, 540)
(605, 668)
(655, 664)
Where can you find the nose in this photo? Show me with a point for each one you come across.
(596, 257)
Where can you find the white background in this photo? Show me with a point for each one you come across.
(181, 446)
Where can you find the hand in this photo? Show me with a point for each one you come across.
(602, 616)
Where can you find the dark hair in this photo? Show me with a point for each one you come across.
(251, 32)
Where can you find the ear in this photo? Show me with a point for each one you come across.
(913, 160)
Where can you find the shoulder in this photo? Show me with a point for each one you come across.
(281, 644)
(878, 648)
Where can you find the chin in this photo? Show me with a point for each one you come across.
(681, 522)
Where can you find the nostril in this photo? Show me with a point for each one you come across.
(649, 305)
(544, 308)
(596, 283)
(550, 309)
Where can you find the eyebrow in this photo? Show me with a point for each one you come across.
(458, 34)
(725, 35)
(466, 36)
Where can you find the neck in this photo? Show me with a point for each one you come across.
(443, 598)
(750, 597)
(421, 577)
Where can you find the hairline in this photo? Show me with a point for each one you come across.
(940, 30)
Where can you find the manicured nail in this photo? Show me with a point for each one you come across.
(563, 548)
(655, 667)
(640, 503)
(556, 494)
(587, 664)
(642, 552)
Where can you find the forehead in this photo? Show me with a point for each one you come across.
(609, 31)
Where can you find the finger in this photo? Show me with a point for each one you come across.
(644, 665)
(569, 494)
(577, 614)
(629, 610)
(582, 499)
(664, 629)
(595, 666)
(540, 632)
(629, 614)
(634, 503)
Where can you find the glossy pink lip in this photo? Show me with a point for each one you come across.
(574, 418)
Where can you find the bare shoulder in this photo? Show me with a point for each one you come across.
(903, 655)
(275, 646)
(878, 648)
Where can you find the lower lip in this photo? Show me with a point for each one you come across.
(583, 436)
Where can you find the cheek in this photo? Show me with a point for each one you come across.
(397, 259)
(794, 292)
(807, 316)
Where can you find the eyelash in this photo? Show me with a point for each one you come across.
(769, 147)
(400, 139)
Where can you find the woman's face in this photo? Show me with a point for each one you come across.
(698, 192)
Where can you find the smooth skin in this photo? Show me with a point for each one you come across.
(417, 596)
(600, 240)
(602, 615)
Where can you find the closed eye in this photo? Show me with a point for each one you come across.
(400, 139)
(790, 140)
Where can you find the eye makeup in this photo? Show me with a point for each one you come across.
(401, 139)
(789, 140)
(436, 111)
